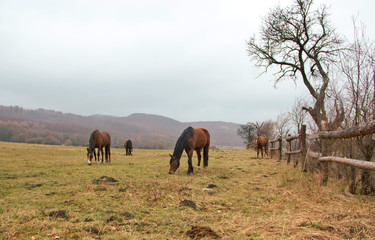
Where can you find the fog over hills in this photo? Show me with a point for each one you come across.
(145, 130)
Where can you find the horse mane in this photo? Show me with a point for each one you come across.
(91, 140)
(181, 142)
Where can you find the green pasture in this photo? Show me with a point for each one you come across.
(50, 192)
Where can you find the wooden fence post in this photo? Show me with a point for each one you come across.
(280, 147)
(303, 147)
(289, 149)
(324, 165)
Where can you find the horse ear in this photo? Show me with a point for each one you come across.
(170, 155)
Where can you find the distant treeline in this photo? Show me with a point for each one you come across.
(36, 132)
(145, 130)
(40, 133)
(50, 127)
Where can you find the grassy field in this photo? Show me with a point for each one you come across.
(49, 192)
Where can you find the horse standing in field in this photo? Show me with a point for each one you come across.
(191, 139)
(128, 145)
(260, 143)
(99, 140)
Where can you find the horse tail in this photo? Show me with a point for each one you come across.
(206, 148)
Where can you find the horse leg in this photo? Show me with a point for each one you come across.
(190, 165)
(257, 152)
(199, 156)
(261, 151)
(205, 156)
(101, 150)
(106, 154)
(109, 154)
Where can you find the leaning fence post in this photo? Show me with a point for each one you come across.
(324, 165)
(303, 147)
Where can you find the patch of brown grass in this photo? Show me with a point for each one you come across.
(237, 197)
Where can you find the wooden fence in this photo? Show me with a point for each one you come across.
(323, 156)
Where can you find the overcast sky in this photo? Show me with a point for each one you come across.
(182, 59)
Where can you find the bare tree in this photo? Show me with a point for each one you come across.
(268, 128)
(357, 64)
(282, 125)
(252, 129)
(297, 115)
(265, 128)
(301, 43)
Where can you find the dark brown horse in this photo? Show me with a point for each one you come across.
(128, 145)
(260, 143)
(99, 140)
(191, 139)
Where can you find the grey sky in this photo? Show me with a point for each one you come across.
(183, 59)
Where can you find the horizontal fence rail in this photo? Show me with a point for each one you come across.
(351, 162)
(355, 131)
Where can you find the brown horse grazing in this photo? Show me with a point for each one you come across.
(191, 139)
(260, 143)
(128, 145)
(99, 140)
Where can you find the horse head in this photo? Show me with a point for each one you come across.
(174, 163)
(90, 155)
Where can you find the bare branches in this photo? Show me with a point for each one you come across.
(299, 41)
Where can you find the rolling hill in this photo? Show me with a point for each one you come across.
(145, 130)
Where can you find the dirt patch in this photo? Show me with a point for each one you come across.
(104, 179)
(188, 203)
(211, 185)
(197, 232)
(58, 214)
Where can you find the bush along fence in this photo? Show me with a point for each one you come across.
(324, 138)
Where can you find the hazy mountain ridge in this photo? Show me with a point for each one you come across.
(146, 130)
